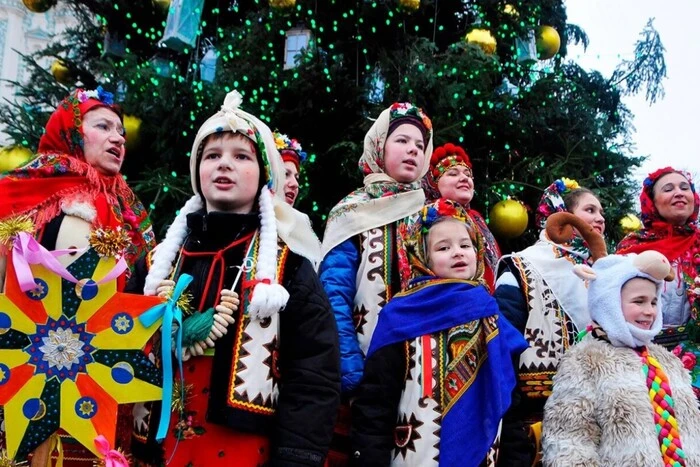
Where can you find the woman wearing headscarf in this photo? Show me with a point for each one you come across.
(670, 206)
(450, 176)
(73, 187)
(541, 297)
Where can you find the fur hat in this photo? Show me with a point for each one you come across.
(607, 276)
(268, 295)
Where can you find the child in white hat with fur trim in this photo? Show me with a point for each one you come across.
(261, 374)
(618, 398)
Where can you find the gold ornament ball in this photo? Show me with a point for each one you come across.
(61, 73)
(283, 4)
(13, 157)
(410, 6)
(511, 10)
(39, 6)
(483, 38)
(508, 219)
(630, 223)
(548, 42)
(132, 125)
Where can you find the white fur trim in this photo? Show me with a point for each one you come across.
(81, 209)
(584, 272)
(166, 253)
(267, 300)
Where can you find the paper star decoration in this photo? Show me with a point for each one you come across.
(70, 353)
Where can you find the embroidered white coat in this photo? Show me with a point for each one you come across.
(599, 413)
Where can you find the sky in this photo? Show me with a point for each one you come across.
(668, 130)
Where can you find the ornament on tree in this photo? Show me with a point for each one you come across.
(630, 223)
(13, 157)
(207, 66)
(510, 10)
(526, 48)
(508, 219)
(483, 38)
(39, 6)
(282, 4)
(132, 126)
(409, 6)
(182, 25)
(162, 5)
(61, 73)
(548, 42)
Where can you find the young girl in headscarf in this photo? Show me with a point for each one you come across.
(450, 176)
(265, 387)
(541, 298)
(439, 374)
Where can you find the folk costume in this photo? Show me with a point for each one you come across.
(681, 246)
(441, 355)
(619, 399)
(269, 389)
(66, 200)
(539, 295)
(443, 159)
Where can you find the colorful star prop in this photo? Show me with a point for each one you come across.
(70, 353)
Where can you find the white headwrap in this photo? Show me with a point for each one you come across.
(361, 211)
(277, 218)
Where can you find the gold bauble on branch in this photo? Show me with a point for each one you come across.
(548, 42)
(14, 156)
(508, 219)
(282, 4)
(510, 10)
(61, 73)
(630, 223)
(483, 38)
(39, 6)
(132, 126)
(410, 6)
(162, 5)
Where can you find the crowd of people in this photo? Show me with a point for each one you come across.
(405, 337)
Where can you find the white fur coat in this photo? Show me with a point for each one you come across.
(599, 413)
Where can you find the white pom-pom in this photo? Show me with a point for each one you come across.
(267, 300)
(233, 101)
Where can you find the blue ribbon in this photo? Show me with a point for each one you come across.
(170, 312)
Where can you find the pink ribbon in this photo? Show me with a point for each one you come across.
(26, 250)
(112, 457)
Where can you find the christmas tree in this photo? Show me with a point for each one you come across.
(493, 76)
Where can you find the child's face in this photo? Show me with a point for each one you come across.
(229, 174)
(450, 251)
(404, 154)
(589, 209)
(638, 298)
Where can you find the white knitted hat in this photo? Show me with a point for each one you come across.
(268, 295)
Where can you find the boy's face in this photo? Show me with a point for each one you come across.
(450, 251)
(638, 298)
(404, 154)
(229, 174)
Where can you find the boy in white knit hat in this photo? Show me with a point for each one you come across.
(618, 398)
(261, 377)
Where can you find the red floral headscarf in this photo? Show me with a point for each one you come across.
(59, 173)
(679, 243)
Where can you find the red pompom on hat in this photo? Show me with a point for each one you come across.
(444, 158)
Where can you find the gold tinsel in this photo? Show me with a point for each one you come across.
(109, 243)
(9, 228)
(5, 461)
(184, 303)
(180, 396)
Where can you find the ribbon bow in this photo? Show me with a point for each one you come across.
(26, 250)
(112, 457)
(170, 312)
